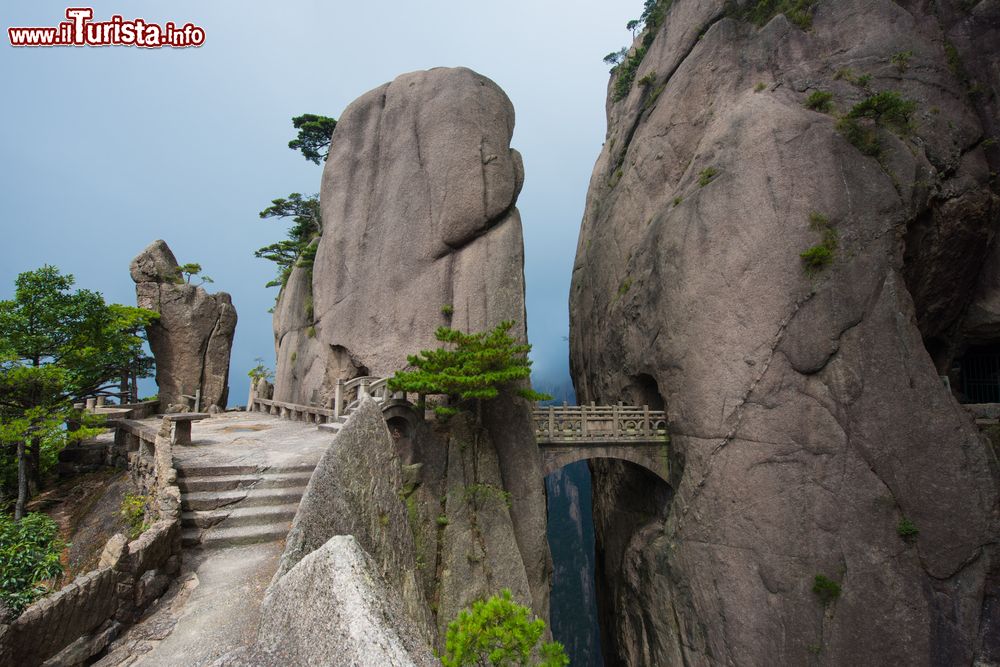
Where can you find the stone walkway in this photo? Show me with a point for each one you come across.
(212, 609)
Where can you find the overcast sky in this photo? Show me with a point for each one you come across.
(107, 149)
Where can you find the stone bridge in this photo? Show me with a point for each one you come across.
(566, 434)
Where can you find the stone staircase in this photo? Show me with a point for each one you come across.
(231, 505)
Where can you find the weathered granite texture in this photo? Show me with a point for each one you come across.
(807, 415)
(355, 490)
(418, 202)
(192, 339)
(334, 608)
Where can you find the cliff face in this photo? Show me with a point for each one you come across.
(421, 231)
(808, 418)
(193, 338)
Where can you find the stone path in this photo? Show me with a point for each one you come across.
(241, 481)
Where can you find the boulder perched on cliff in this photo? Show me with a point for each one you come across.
(335, 608)
(192, 339)
(420, 231)
(784, 231)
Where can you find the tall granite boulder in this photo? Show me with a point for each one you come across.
(193, 337)
(420, 231)
(811, 431)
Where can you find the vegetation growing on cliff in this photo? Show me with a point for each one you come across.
(313, 141)
(500, 632)
(820, 255)
(759, 12)
(473, 367)
(886, 109)
(626, 63)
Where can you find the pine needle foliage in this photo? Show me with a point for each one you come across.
(501, 633)
(471, 366)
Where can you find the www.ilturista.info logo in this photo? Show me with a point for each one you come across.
(80, 30)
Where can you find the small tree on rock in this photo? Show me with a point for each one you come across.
(473, 367)
(501, 633)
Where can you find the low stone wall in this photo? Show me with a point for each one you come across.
(93, 455)
(78, 621)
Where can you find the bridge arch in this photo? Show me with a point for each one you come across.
(636, 434)
(654, 459)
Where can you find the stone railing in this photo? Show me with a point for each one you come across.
(599, 423)
(79, 620)
(293, 411)
(346, 393)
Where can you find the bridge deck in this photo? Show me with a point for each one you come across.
(599, 425)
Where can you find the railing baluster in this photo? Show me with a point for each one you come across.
(614, 421)
(552, 422)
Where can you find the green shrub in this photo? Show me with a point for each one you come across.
(816, 258)
(479, 492)
(447, 310)
(759, 12)
(706, 175)
(648, 80)
(311, 332)
(678, 200)
(820, 100)
(820, 256)
(29, 555)
(885, 109)
(864, 138)
(133, 513)
(827, 590)
(499, 631)
(759, 87)
(626, 73)
(625, 287)
(906, 528)
(901, 60)
(845, 73)
(864, 80)
(442, 520)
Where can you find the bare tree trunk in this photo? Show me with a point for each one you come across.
(22, 482)
(134, 396)
(123, 389)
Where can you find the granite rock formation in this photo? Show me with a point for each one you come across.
(420, 231)
(193, 337)
(810, 425)
(334, 608)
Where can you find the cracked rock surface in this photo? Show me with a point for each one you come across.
(193, 337)
(807, 416)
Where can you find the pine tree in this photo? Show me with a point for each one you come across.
(473, 367)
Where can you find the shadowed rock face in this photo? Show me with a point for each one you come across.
(193, 337)
(807, 416)
(418, 202)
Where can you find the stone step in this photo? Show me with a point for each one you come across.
(231, 470)
(332, 428)
(210, 500)
(236, 536)
(266, 480)
(240, 516)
